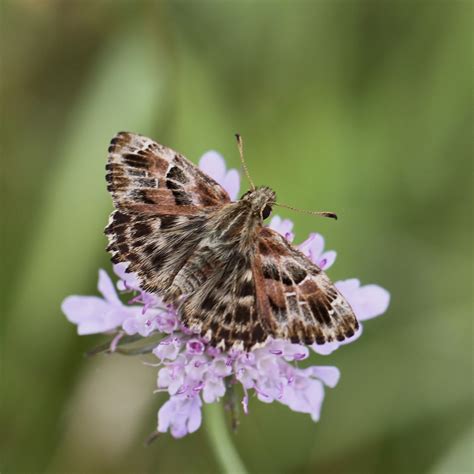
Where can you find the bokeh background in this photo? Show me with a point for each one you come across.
(360, 107)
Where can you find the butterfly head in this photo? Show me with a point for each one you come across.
(260, 200)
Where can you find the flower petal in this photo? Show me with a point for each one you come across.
(326, 259)
(194, 415)
(128, 281)
(313, 247)
(282, 226)
(138, 322)
(213, 164)
(92, 314)
(106, 287)
(327, 374)
(315, 396)
(325, 349)
(231, 183)
(348, 288)
(367, 301)
(165, 415)
(168, 349)
(374, 301)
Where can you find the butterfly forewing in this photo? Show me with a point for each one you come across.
(163, 201)
(147, 177)
(232, 280)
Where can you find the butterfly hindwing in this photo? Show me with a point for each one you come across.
(222, 308)
(240, 296)
(156, 247)
(215, 290)
(297, 301)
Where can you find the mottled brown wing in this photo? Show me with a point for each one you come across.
(221, 303)
(156, 247)
(144, 176)
(238, 297)
(163, 202)
(295, 298)
(213, 288)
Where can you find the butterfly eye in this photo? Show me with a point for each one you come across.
(266, 211)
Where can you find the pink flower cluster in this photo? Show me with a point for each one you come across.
(192, 372)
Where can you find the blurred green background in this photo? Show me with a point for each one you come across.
(360, 107)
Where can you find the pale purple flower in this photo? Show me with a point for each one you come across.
(127, 281)
(168, 348)
(305, 395)
(213, 387)
(283, 227)
(213, 164)
(167, 321)
(180, 415)
(190, 371)
(144, 323)
(95, 315)
(367, 301)
(195, 346)
(313, 248)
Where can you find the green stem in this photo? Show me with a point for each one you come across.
(220, 441)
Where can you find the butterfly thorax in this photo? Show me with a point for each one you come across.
(237, 223)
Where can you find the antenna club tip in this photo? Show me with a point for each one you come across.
(332, 215)
(238, 137)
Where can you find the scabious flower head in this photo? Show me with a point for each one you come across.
(190, 371)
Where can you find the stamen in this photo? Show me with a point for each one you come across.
(115, 341)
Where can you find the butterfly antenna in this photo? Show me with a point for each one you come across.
(240, 144)
(332, 215)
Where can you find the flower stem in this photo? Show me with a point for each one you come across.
(221, 443)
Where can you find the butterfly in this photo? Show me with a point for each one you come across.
(233, 281)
